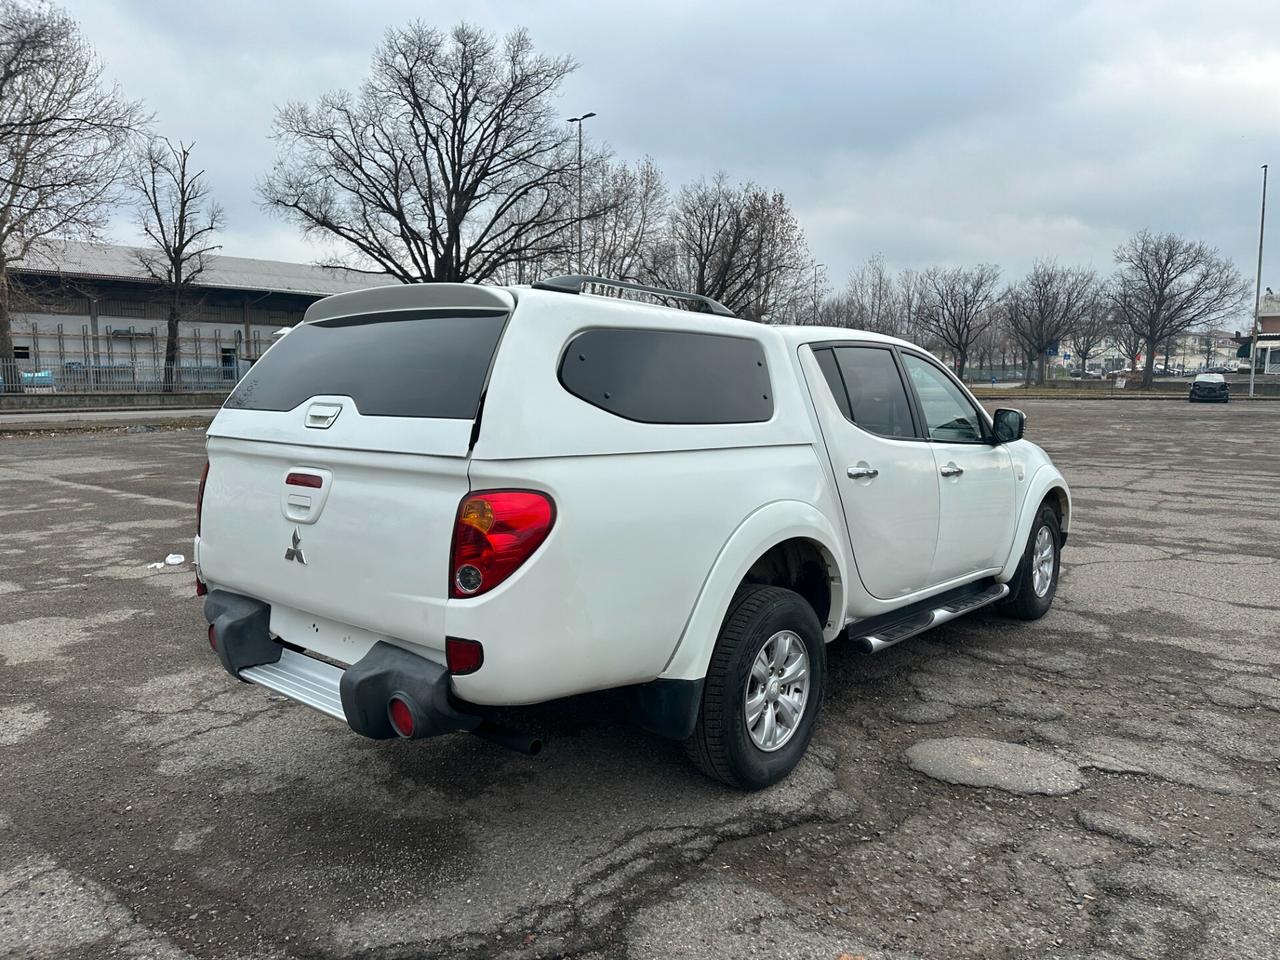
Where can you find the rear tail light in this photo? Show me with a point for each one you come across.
(495, 532)
(463, 656)
(401, 716)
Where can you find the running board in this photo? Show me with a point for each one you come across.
(886, 634)
(302, 678)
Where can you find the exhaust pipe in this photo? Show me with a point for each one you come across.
(524, 743)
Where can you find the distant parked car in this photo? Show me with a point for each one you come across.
(1209, 387)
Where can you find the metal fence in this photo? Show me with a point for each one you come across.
(119, 377)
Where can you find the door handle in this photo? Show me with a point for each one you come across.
(951, 469)
(863, 471)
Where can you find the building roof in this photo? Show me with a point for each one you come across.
(106, 261)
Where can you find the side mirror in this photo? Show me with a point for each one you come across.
(1009, 425)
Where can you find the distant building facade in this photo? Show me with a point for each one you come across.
(1268, 359)
(81, 305)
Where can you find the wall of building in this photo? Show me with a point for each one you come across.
(54, 320)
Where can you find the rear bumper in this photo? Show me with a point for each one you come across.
(358, 694)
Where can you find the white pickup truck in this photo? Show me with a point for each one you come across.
(427, 501)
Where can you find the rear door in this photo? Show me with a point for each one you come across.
(975, 477)
(884, 472)
(336, 468)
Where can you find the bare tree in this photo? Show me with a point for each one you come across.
(178, 216)
(910, 300)
(1166, 285)
(63, 135)
(1043, 307)
(740, 245)
(957, 307)
(872, 295)
(450, 162)
(1092, 328)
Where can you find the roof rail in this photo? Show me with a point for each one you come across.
(575, 282)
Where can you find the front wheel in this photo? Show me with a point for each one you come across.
(1036, 581)
(763, 689)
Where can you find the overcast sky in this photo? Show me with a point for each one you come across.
(929, 132)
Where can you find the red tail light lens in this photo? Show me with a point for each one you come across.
(401, 717)
(463, 656)
(496, 531)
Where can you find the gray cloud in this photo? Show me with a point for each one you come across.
(930, 132)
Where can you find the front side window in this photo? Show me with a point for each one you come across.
(948, 414)
(669, 376)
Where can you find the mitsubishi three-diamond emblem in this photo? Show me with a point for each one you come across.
(295, 552)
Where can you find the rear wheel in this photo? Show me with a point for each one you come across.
(763, 689)
(1036, 581)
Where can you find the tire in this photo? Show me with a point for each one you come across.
(1024, 602)
(722, 746)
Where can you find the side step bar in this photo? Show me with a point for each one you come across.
(874, 636)
(302, 678)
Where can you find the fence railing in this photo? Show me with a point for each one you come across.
(119, 377)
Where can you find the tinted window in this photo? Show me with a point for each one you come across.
(948, 414)
(877, 398)
(827, 362)
(662, 376)
(412, 363)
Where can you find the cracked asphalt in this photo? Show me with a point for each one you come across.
(1102, 783)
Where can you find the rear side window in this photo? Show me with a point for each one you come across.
(868, 389)
(666, 376)
(410, 363)
(877, 395)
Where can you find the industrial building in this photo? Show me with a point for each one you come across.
(89, 316)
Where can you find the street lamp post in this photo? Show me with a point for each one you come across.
(578, 120)
(1257, 294)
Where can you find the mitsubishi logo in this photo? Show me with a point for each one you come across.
(295, 552)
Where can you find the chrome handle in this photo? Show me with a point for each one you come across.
(863, 471)
(951, 470)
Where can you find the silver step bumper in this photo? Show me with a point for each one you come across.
(301, 678)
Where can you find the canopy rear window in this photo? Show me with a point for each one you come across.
(407, 363)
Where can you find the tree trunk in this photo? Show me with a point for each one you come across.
(1041, 363)
(171, 345)
(8, 364)
(1149, 365)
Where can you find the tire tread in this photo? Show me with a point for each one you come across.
(706, 747)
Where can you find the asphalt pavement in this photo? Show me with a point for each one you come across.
(1102, 783)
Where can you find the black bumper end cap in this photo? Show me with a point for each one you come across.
(242, 631)
(387, 671)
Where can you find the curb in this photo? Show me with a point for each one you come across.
(104, 425)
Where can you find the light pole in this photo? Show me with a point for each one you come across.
(816, 268)
(1257, 294)
(578, 120)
